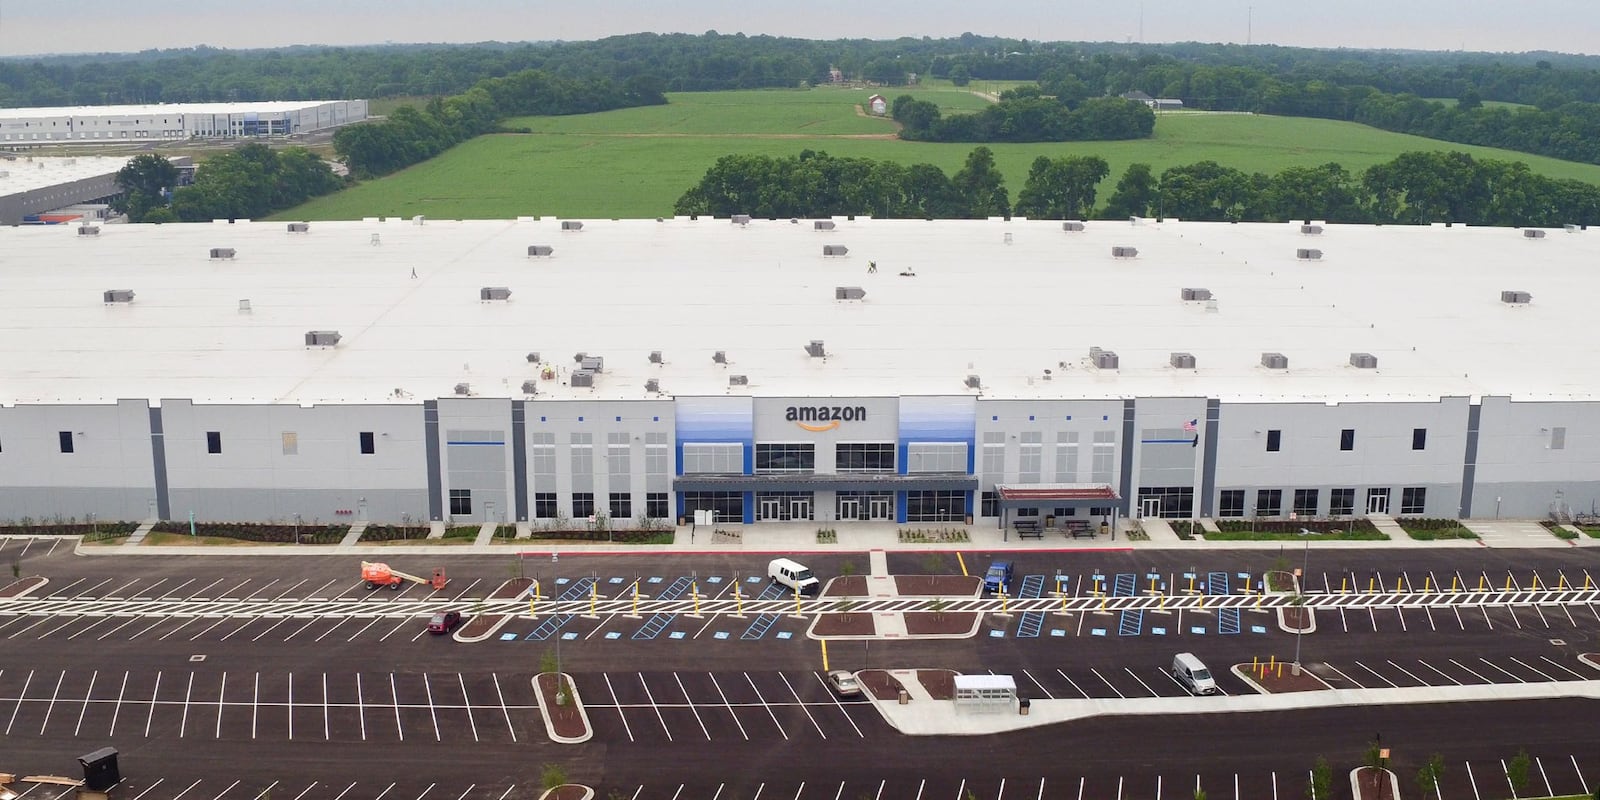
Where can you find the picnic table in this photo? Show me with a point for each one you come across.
(1028, 529)
(1078, 528)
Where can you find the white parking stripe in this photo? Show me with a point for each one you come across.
(343, 793)
(255, 706)
(207, 629)
(1548, 789)
(264, 791)
(325, 733)
(1073, 684)
(1036, 682)
(654, 706)
(509, 728)
(336, 626)
(52, 706)
(222, 697)
(1534, 669)
(513, 786)
(291, 706)
(468, 700)
(425, 791)
(225, 791)
(692, 708)
(188, 692)
(361, 708)
(1153, 693)
(1575, 767)
(115, 713)
(297, 631)
(1569, 670)
(86, 696)
(840, 704)
(148, 788)
(763, 700)
(384, 792)
(1107, 683)
(467, 792)
(151, 717)
(308, 788)
(1341, 674)
(1441, 672)
(186, 789)
(1517, 678)
(728, 706)
(1474, 674)
(431, 711)
(618, 706)
(395, 693)
(1409, 673)
(1378, 675)
(363, 629)
(802, 704)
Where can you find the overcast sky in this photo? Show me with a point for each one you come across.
(28, 28)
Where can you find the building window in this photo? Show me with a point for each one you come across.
(1305, 502)
(1419, 438)
(1269, 502)
(544, 505)
(1105, 452)
(542, 458)
(1347, 439)
(1413, 500)
(65, 437)
(940, 506)
(291, 443)
(991, 504)
(655, 505)
(925, 457)
(1232, 503)
(1342, 502)
(713, 459)
(1170, 502)
(582, 505)
(368, 446)
(213, 442)
(1274, 441)
(1067, 457)
(864, 457)
(1030, 462)
(1100, 511)
(1558, 438)
(786, 457)
(460, 502)
(621, 505)
(994, 455)
(728, 506)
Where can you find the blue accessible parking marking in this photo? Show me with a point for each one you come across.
(653, 580)
(1257, 629)
(752, 579)
(569, 636)
(714, 579)
(997, 634)
(560, 581)
(1159, 631)
(1197, 630)
(676, 635)
(720, 635)
(1097, 631)
(784, 634)
(616, 580)
(506, 637)
(1057, 632)
(613, 635)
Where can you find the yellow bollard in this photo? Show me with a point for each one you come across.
(1255, 664)
(1427, 584)
(1272, 662)
(824, 655)
(694, 591)
(1399, 584)
(1508, 581)
(1280, 669)
(1372, 585)
(1536, 581)
(1483, 582)
(1152, 585)
(1191, 585)
(738, 602)
(1588, 582)
(1102, 601)
(594, 598)
(1259, 595)
(532, 599)
(1453, 582)
(1002, 602)
(636, 598)
(1344, 586)
(797, 601)
(1561, 582)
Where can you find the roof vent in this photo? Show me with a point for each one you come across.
(1308, 254)
(582, 377)
(1570, 228)
(655, 356)
(720, 357)
(222, 252)
(815, 349)
(244, 305)
(118, 295)
(835, 250)
(538, 250)
(463, 389)
(418, 219)
(1124, 252)
(738, 380)
(592, 364)
(494, 293)
(1532, 233)
(653, 385)
(533, 357)
(299, 227)
(1072, 227)
(530, 387)
(322, 338)
(1363, 361)
(1311, 230)
(1515, 298)
(849, 293)
(741, 219)
(571, 225)
(1274, 361)
(973, 382)
(89, 230)
(822, 225)
(1103, 359)
(1197, 294)
(1183, 361)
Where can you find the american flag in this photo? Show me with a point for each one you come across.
(1189, 427)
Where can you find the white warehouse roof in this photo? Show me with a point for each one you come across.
(28, 173)
(1006, 301)
(165, 109)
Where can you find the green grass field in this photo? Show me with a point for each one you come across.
(637, 162)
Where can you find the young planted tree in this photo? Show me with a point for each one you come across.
(1517, 771)
(1428, 775)
(1320, 786)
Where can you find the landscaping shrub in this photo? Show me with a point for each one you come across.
(265, 533)
(393, 533)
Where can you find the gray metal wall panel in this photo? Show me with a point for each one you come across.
(1208, 473)
(158, 454)
(430, 430)
(1126, 484)
(519, 458)
(254, 504)
(1469, 466)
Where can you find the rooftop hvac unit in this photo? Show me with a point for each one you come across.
(655, 356)
(720, 357)
(1363, 361)
(1197, 294)
(540, 250)
(822, 225)
(738, 380)
(1124, 252)
(835, 250)
(418, 219)
(1311, 230)
(118, 295)
(582, 377)
(571, 225)
(1515, 298)
(244, 305)
(1308, 254)
(849, 293)
(533, 357)
(1274, 361)
(530, 387)
(1182, 361)
(299, 227)
(1570, 228)
(815, 349)
(222, 252)
(652, 385)
(494, 293)
(463, 389)
(1533, 234)
(973, 382)
(592, 364)
(1072, 227)
(741, 219)
(577, 358)
(89, 230)
(322, 338)
(1102, 359)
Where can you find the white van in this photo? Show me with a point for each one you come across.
(1187, 670)
(793, 575)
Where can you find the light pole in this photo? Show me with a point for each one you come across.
(297, 528)
(1299, 593)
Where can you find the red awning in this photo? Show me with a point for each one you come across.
(1044, 493)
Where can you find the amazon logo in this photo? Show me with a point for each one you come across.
(819, 419)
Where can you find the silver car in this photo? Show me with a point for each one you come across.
(844, 683)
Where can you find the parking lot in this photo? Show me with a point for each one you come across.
(727, 706)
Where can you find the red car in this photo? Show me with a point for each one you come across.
(444, 622)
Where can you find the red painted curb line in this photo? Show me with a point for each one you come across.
(579, 553)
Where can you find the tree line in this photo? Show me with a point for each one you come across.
(1414, 188)
(247, 182)
(1025, 114)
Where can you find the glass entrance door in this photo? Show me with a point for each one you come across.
(849, 508)
(878, 508)
(1377, 501)
(771, 508)
(1149, 507)
(799, 508)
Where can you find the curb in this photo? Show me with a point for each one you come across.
(493, 629)
(1311, 621)
(577, 702)
(42, 580)
(1355, 785)
(1243, 673)
(977, 622)
(588, 792)
(1592, 659)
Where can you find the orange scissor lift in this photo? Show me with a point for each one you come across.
(377, 573)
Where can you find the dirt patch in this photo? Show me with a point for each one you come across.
(511, 589)
(1280, 678)
(855, 623)
(565, 718)
(936, 623)
(880, 683)
(1298, 618)
(941, 683)
(1280, 581)
(943, 585)
(569, 791)
(847, 586)
(16, 588)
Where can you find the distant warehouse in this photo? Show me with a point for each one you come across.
(21, 127)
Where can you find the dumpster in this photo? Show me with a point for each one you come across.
(100, 769)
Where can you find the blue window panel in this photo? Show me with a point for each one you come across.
(541, 419)
(1030, 417)
(580, 419)
(655, 419)
(619, 419)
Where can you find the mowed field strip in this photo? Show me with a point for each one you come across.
(637, 162)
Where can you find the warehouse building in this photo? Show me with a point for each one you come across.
(53, 191)
(29, 127)
(824, 370)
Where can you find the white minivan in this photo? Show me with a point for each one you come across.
(793, 575)
(1187, 670)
